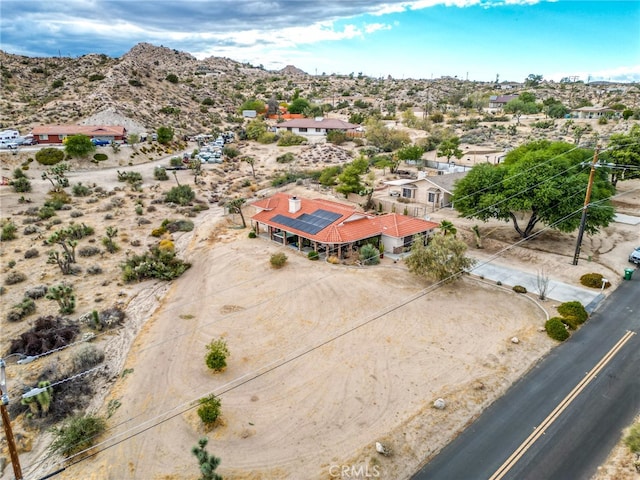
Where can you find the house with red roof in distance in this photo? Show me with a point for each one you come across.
(333, 228)
(55, 134)
(313, 127)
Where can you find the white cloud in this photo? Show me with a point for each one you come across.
(374, 27)
(625, 73)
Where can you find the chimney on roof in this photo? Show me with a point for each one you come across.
(294, 204)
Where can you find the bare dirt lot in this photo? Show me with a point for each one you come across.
(325, 359)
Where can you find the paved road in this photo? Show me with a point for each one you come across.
(597, 406)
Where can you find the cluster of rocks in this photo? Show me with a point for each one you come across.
(325, 153)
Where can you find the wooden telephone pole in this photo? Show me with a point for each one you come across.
(6, 422)
(587, 199)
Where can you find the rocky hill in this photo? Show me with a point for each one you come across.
(151, 86)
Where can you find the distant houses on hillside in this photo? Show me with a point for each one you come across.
(55, 134)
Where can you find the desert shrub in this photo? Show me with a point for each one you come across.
(100, 157)
(313, 255)
(632, 440)
(158, 232)
(58, 199)
(134, 82)
(87, 357)
(179, 226)
(336, 137)
(593, 280)
(267, 137)
(132, 178)
(80, 190)
(333, 260)
(26, 307)
(109, 318)
(159, 263)
(209, 409)
(95, 77)
(76, 214)
(78, 434)
(252, 234)
(36, 292)
(217, 353)
(21, 185)
(8, 231)
(46, 334)
(369, 255)
(286, 158)
(182, 195)
(88, 251)
(556, 329)
(230, 152)
(31, 253)
(49, 156)
(94, 270)
(574, 309)
(570, 322)
(46, 212)
(159, 173)
(14, 277)
(288, 139)
(278, 260)
(172, 77)
(30, 229)
(519, 289)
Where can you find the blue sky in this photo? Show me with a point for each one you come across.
(474, 39)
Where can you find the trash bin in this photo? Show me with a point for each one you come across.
(628, 272)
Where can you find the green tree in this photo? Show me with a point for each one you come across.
(410, 153)
(527, 97)
(207, 463)
(253, 104)
(350, 181)
(298, 105)
(557, 110)
(133, 139)
(384, 138)
(78, 146)
(624, 151)
(209, 409)
(532, 80)
(450, 147)
(329, 175)
(517, 107)
(217, 353)
(337, 137)
(256, 128)
(540, 180)
(165, 135)
(235, 206)
(443, 259)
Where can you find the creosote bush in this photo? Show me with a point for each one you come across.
(278, 260)
(555, 329)
(182, 195)
(519, 289)
(217, 353)
(14, 277)
(574, 310)
(78, 434)
(49, 156)
(313, 255)
(209, 409)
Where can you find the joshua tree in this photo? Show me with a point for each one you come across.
(235, 206)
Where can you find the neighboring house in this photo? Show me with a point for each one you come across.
(434, 192)
(318, 126)
(52, 134)
(592, 112)
(333, 228)
(497, 102)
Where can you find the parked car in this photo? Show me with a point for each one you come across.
(635, 256)
(394, 193)
(26, 141)
(99, 142)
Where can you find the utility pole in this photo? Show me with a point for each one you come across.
(6, 422)
(587, 199)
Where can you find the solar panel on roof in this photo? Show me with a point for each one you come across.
(310, 223)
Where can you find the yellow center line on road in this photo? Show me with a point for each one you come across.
(540, 429)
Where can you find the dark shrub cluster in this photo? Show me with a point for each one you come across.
(593, 280)
(573, 310)
(89, 251)
(519, 289)
(158, 262)
(46, 334)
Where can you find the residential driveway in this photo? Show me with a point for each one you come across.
(559, 291)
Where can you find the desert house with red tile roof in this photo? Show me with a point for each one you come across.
(432, 191)
(318, 126)
(333, 228)
(54, 134)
